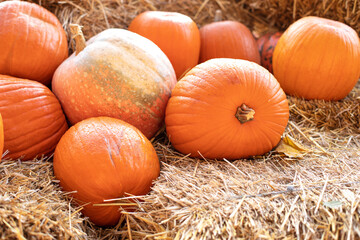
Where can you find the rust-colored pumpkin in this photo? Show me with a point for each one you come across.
(118, 74)
(1, 137)
(317, 58)
(226, 108)
(176, 34)
(266, 45)
(32, 41)
(33, 119)
(105, 158)
(227, 39)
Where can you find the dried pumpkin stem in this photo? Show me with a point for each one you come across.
(244, 113)
(78, 35)
(218, 16)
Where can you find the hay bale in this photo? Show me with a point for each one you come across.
(266, 197)
(259, 15)
(32, 204)
(328, 115)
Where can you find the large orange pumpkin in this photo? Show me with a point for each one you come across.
(118, 74)
(176, 34)
(317, 58)
(105, 158)
(226, 108)
(227, 39)
(32, 41)
(33, 119)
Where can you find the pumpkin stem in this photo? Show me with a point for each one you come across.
(244, 113)
(218, 16)
(78, 35)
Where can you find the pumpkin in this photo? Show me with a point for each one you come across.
(32, 41)
(105, 158)
(33, 119)
(117, 74)
(227, 39)
(317, 58)
(226, 108)
(1, 137)
(176, 34)
(266, 46)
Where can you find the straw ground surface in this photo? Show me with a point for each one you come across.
(315, 195)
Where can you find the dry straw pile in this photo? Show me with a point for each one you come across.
(314, 196)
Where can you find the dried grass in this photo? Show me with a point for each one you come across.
(259, 15)
(328, 115)
(32, 205)
(266, 197)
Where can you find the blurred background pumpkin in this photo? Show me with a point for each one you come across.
(317, 58)
(266, 45)
(176, 34)
(227, 39)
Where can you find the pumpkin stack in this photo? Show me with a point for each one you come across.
(121, 75)
(119, 88)
(114, 90)
(32, 45)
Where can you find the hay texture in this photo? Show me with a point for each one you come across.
(315, 195)
(32, 205)
(259, 15)
(327, 115)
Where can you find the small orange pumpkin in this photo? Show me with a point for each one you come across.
(117, 74)
(176, 34)
(227, 39)
(33, 119)
(104, 158)
(317, 58)
(226, 108)
(32, 41)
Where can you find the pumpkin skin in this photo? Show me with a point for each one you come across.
(184, 47)
(118, 74)
(204, 113)
(32, 41)
(266, 46)
(1, 137)
(33, 119)
(317, 58)
(104, 158)
(228, 39)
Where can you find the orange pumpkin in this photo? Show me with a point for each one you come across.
(118, 74)
(184, 47)
(104, 158)
(1, 137)
(32, 41)
(317, 58)
(266, 45)
(33, 119)
(226, 108)
(227, 39)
